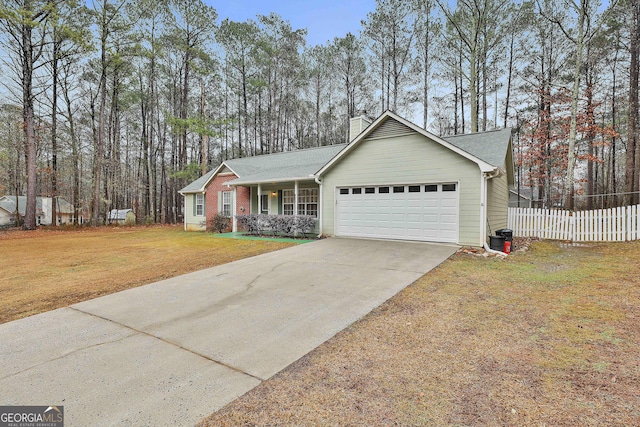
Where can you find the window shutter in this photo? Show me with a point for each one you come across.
(204, 205)
(219, 201)
(195, 202)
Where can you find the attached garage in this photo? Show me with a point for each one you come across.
(397, 181)
(426, 212)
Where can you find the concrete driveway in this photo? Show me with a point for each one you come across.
(174, 351)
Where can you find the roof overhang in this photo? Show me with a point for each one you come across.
(202, 189)
(484, 166)
(249, 182)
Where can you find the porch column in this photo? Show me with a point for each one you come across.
(295, 198)
(234, 212)
(259, 198)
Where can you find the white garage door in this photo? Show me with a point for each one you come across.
(427, 212)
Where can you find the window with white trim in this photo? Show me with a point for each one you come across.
(199, 204)
(226, 203)
(307, 202)
(288, 199)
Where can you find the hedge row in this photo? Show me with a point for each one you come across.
(288, 225)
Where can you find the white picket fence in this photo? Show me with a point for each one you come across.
(601, 225)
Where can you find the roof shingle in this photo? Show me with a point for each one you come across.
(490, 146)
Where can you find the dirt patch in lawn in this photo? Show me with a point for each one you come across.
(547, 337)
(46, 269)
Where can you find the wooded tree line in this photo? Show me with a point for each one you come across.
(117, 104)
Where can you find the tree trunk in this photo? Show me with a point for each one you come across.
(509, 77)
(205, 140)
(29, 121)
(54, 134)
(592, 153)
(575, 96)
(102, 87)
(74, 154)
(633, 148)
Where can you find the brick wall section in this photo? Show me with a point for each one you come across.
(243, 197)
(243, 200)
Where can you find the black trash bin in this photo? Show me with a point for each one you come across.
(508, 237)
(496, 243)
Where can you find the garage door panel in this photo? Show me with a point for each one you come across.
(449, 203)
(408, 215)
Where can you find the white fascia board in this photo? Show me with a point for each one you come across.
(350, 146)
(269, 181)
(213, 175)
(484, 166)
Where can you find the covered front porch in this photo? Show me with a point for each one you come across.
(297, 197)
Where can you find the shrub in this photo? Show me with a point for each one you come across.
(220, 223)
(287, 225)
(305, 224)
(130, 220)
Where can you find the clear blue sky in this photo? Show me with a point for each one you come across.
(323, 19)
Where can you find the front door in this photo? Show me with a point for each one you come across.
(265, 203)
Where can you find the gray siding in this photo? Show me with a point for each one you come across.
(411, 158)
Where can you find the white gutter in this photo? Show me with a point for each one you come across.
(235, 182)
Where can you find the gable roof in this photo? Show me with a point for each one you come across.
(9, 201)
(198, 185)
(473, 155)
(7, 205)
(489, 146)
(22, 204)
(295, 165)
(489, 150)
(286, 166)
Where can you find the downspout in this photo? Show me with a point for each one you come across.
(320, 213)
(483, 209)
(491, 251)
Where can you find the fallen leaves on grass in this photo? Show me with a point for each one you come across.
(45, 269)
(548, 337)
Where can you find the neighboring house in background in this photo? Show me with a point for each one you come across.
(393, 180)
(518, 200)
(44, 211)
(528, 198)
(121, 216)
(7, 212)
